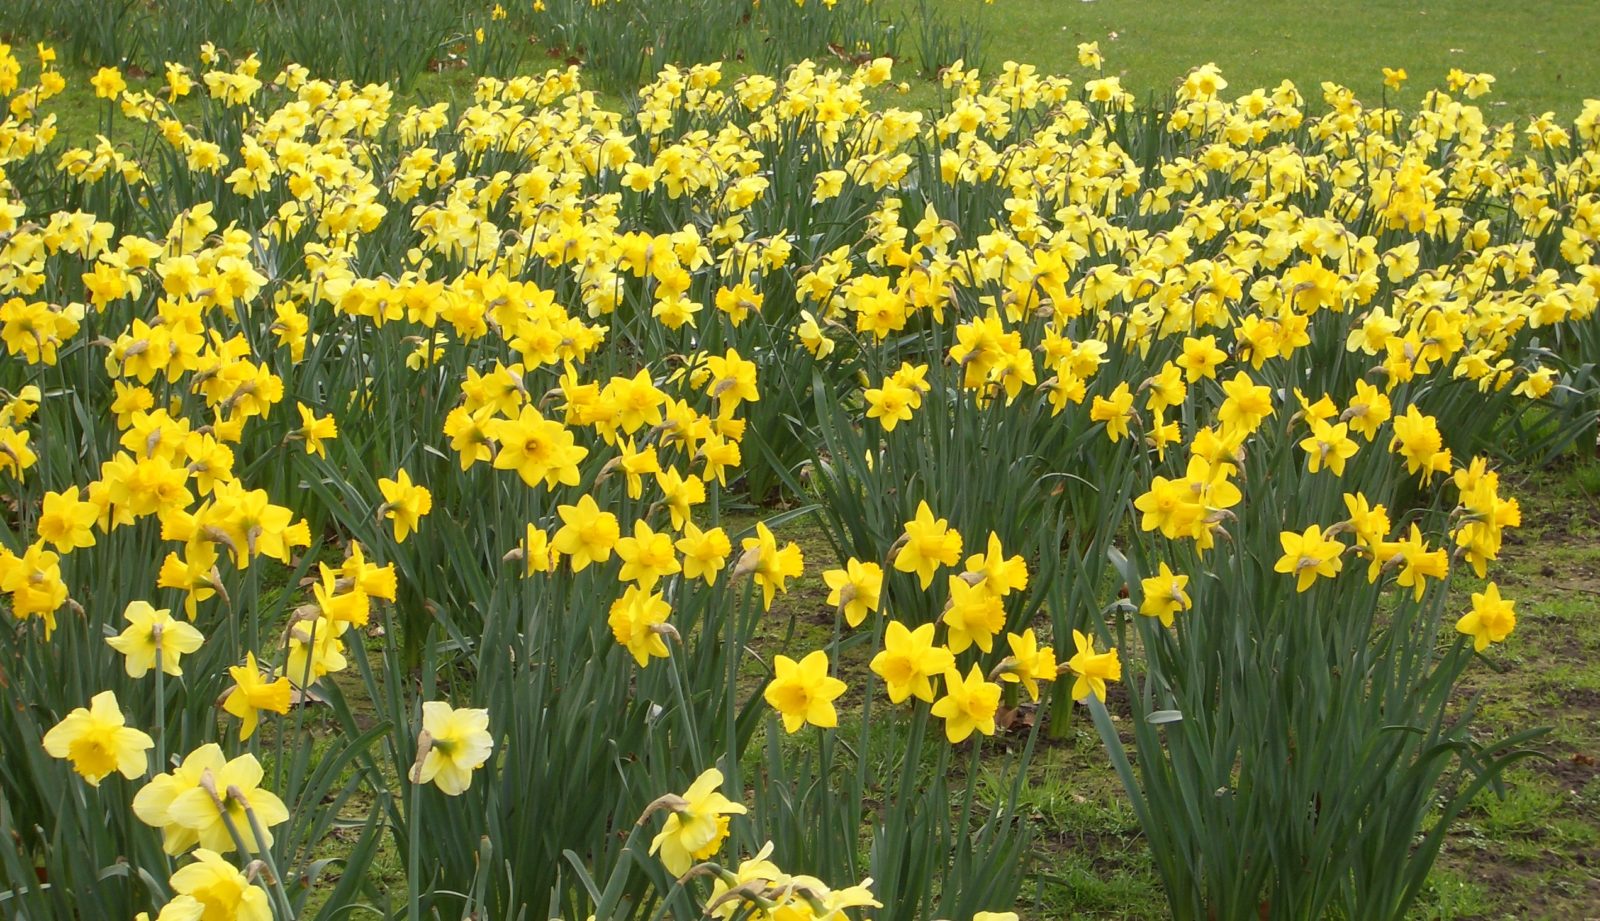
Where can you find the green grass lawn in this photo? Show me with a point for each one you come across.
(1540, 51)
(1533, 853)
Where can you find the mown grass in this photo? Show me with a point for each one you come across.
(1540, 51)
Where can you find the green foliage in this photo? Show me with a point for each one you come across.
(1279, 737)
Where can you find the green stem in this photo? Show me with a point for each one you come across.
(265, 855)
(688, 714)
(161, 712)
(414, 855)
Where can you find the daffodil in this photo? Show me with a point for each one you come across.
(1416, 562)
(254, 693)
(890, 404)
(969, 704)
(1417, 439)
(152, 638)
(1093, 669)
(537, 554)
(803, 692)
(809, 332)
(405, 503)
(540, 450)
(732, 381)
(1491, 619)
(1164, 595)
(108, 83)
(974, 615)
(153, 802)
(340, 601)
(680, 494)
(66, 521)
(697, 825)
(587, 534)
(1200, 358)
(1246, 403)
(1116, 411)
(1369, 409)
(211, 889)
(1029, 663)
(229, 801)
(855, 590)
(909, 661)
(770, 566)
(705, 553)
(646, 557)
(97, 740)
(638, 620)
(1309, 555)
(453, 743)
(927, 544)
(315, 431)
(1328, 446)
(315, 649)
(33, 580)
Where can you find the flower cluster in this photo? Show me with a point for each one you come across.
(289, 387)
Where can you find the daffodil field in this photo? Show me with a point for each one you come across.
(417, 483)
